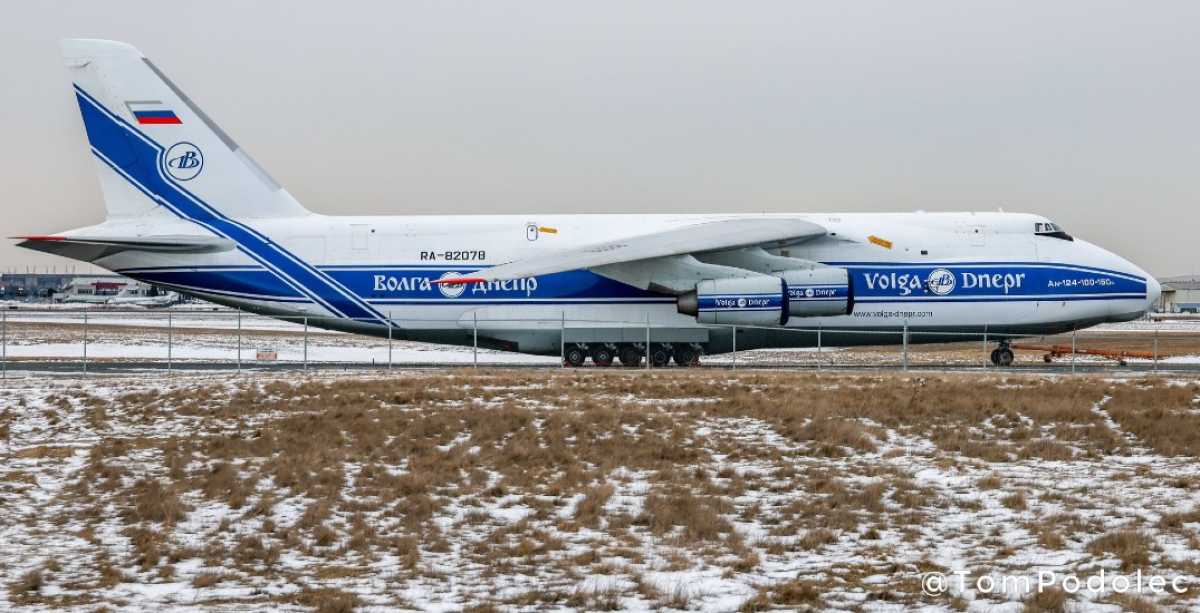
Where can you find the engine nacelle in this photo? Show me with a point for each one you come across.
(815, 292)
(753, 301)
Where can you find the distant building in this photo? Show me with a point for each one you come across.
(91, 289)
(1180, 295)
(114, 290)
(35, 286)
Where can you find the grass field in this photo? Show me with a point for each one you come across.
(592, 490)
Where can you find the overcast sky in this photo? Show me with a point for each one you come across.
(1083, 111)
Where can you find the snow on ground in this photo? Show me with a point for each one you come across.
(214, 337)
(552, 490)
(287, 350)
(184, 318)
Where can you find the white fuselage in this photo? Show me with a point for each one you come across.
(998, 275)
(188, 209)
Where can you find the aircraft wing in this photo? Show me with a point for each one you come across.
(90, 249)
(697, 238)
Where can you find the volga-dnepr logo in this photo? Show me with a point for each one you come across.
(940, 281)
(184, 161)
(451, 291)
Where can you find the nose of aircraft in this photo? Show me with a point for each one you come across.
(1153, 291)
(1096, 255)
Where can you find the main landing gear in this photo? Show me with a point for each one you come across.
(632, 354)
(1002, 355)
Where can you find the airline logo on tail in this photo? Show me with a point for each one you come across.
(150, 112)
(184, 161)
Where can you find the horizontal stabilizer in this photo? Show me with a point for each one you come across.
(92, 248)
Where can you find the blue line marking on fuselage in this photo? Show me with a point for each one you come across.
(580, 287)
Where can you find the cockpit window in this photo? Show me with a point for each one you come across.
(1045, 228)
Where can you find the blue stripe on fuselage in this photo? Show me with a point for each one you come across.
(412, 284)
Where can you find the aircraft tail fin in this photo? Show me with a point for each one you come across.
(156, 152)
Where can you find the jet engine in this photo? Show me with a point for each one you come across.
(760, 300)
(814, 292)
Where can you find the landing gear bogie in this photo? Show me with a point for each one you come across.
(632, 355)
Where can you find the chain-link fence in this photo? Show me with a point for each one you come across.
(97, 340)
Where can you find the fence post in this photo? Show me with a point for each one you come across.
(85, 342)
(647, 341)
(1072, 351)
(562, 339)
(985, 351)
(389, 340)
(820, 327)
(239, 340)
(904, 347)
(735, 347)
(170, 340)
(306, 343)
(1156, 348)
(474, 339)
(4, 343)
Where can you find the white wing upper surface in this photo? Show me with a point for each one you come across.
(695, 238)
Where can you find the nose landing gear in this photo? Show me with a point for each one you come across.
(1002, 355)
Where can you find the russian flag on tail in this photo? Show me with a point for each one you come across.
(151, 112)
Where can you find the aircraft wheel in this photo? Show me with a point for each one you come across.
(660, 356)
(686, 355)
(1002, 356)
(602, 355)
(575, 356)
(631, 356)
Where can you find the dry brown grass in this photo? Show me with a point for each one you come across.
(1162, 416)
(990, 482)
(1135, 604)
(29, 585)
(328, 600)
(1015, 501)
(588, 511)
(698, 518)
(1132, 547)
(798, 593)
(379, 463)
(153, 502)
(204, 580)
(1047, 600)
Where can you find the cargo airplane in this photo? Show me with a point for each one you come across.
(189, 210)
